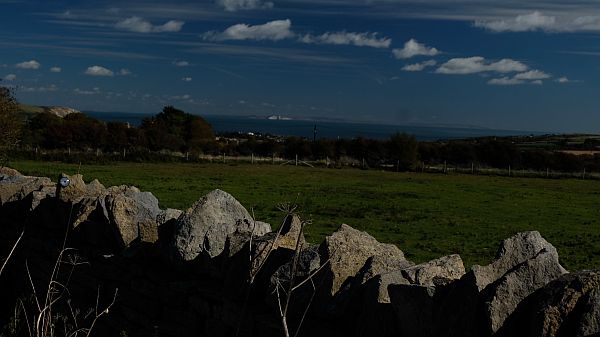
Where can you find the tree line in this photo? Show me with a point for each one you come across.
(175, 130)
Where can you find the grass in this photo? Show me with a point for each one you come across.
(426, 215)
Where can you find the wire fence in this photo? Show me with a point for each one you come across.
(132, 155)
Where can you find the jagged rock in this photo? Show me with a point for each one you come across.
(411, 292)
(207, 225)
(84, 196)
(17, 187)
(168, 215)
(78, 190)
(347, 251)
(501, 298)
(512, 252)
(448, 267)
(567, 306)
(9, 172)
(288, 237)
(132, 212)
(469, 308)
(309, 261)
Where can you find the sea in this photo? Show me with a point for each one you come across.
(324, 129)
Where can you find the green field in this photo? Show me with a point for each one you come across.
(426, 215)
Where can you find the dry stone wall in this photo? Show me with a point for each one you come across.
(212, 270)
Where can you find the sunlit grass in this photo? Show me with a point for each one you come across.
(426, 215)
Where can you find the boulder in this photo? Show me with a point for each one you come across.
(567, 306)
(78, 190)
(289, 236)
(167, 215)
(448, 267)
(206, 226)
(9, 172)
(412, 292)
(512, 252)
(85, 197)
(501, 298)
(470, 308)
(132, 212)
(347, 250)
(17, 188)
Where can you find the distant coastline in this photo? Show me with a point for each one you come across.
(325, 129)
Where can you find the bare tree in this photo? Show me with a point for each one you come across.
(10, 124)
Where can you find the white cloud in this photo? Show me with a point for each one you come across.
(55, 69)
(181, 97)
(10, 77)
(533, 75)
(536, 21)
(419, 66)
(505, 81)
(33, 64)
(49, 88)
(478, 64)
(273, 30)
(124, 72)
(522, 23)
(139, 25)
(99, 71)
(181, 63)
(94, 91)
(413, 48)
(563, 80)
(349, 38)
(187, 79)
(235, 5)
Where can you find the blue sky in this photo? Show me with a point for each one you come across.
(527, 65)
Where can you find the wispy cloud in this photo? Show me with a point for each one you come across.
(505, 81)
(10, 77)
(413, 48)
(478, 64)
(533, 75)
(49, 88)
(124, 72)
(419, 66)
(274, 30)
(187, 79)
(537, 21)
(349, 38)
(181, 63)
(139, 25)
(236, 5)
(94, 91)
(99, 71)
(55, 69)
(33, 64)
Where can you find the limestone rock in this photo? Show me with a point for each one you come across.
(9, 172)
(448, 267)
(207, 225)
(167, 215)
(347, 251)
(567, 306)
(286, 237)
(501, 298)
(16, 188)
(132, 212)
(512, 252)
(77, 189)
